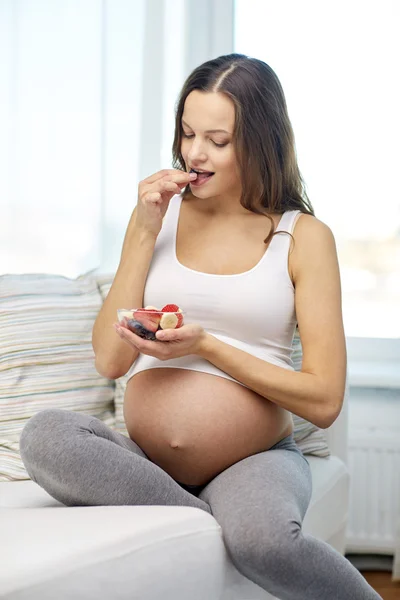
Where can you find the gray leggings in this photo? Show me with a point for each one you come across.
(259, 502)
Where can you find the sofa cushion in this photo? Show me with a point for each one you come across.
(46, 356)
(59, 552)
(309, 438)
(125, 552)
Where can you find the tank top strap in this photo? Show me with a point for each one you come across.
(288, 220)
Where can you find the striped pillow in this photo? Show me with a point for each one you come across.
(309, 438)
(46, 356)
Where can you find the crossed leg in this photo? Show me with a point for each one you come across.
(80, 461)
(260, 503)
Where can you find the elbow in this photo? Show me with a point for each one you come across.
(114, 368)
(326, 421)
(107, 371)
(330, 412)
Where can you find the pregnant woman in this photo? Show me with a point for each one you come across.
(229, 235)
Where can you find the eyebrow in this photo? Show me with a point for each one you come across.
(209, 130)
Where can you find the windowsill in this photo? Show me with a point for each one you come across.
(374, 374)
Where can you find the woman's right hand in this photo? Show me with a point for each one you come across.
(155, 193)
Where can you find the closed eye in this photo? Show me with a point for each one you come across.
(185, 135)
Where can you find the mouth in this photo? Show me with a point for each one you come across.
(202, 177)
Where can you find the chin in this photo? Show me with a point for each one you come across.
(201, 193)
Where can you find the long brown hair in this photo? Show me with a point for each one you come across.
(263, 135)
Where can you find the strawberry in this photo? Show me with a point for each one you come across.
(170, 308)
(180, 320)
(150, 319)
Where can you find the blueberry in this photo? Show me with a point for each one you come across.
(140, 330)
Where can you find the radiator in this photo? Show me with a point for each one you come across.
(374, 464)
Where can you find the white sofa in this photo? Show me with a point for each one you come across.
(50, 551)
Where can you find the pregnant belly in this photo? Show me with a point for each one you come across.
(195, 425)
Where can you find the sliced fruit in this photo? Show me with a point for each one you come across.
(128, 314)
(149, 319)
(179, 316)
(170, 308)
(169, 321)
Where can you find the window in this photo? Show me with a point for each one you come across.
(70, 119)
(87, 95)
(338, 65)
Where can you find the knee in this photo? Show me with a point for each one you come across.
(31, 432)
(266, 552)
(38, 433)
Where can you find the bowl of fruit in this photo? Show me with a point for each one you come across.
(146, 321)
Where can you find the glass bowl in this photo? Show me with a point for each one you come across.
(145, 323)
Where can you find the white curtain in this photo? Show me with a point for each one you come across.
(86, 99)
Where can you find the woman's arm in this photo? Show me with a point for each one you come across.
(112, 357)
(316, 392)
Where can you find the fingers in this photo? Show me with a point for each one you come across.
(155, 349)
(163, 173)
(167, 185)
(154, 197)
(169, 335)
(171, 183)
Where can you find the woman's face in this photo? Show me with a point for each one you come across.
(207, 144)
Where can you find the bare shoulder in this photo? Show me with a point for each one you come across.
(308, 231)
(313, 240)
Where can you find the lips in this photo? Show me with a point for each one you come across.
(192, 170)
(201, 179)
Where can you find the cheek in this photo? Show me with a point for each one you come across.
(229, 165)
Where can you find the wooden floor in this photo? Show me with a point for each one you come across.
(382, 582)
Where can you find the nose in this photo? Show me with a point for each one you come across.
(196, 152)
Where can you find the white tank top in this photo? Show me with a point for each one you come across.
(253, 311)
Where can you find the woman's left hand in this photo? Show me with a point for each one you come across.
(171, 343)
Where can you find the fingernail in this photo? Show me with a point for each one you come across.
(192, 175)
